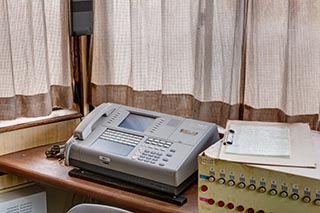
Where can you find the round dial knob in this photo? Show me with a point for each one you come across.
(211, 179)
(317, 202)
(273, 192)
(221, 180)
(283, 194)
(231, 183)
(306, 199)
(262, 189)
(241, 185)
(295, 196)
(252, 187)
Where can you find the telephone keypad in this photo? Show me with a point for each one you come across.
(152, 151)
(149, 156)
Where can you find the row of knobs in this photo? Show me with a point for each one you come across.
(262, 189)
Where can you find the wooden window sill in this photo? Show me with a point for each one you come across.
(21, 123)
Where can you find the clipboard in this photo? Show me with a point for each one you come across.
(268, 143)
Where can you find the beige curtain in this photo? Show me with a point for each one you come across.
(34, 58)
(283, 61)
(179, 57)
(209, 59)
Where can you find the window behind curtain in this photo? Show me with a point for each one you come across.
(283, 61)
(212, 60)
(34, 58)
(180, 57)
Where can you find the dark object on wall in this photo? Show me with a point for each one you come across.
(81, 17)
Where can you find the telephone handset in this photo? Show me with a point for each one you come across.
(84, 129)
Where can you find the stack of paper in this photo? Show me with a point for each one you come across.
(268, 143)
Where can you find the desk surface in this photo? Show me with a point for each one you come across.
(32, 164)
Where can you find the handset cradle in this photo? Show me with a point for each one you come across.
(84, 129)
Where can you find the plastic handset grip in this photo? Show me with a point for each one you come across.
(85, 127)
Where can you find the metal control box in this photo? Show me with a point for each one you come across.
(226, 186)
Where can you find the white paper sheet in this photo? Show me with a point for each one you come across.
(288, 144)
(259, 140)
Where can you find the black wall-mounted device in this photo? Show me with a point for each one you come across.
(81, 17)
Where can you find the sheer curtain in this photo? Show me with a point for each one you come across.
(209, 59)
(179, 57)
(283, 66)
(34, 58)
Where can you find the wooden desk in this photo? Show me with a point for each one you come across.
(33, 164)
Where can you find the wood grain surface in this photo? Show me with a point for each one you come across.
(34, 165)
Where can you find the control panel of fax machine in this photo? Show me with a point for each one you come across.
(141, 143)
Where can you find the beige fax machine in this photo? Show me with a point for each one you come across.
(150, 149)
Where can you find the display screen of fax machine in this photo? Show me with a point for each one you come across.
(137, 122)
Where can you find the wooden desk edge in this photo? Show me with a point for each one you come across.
(32, 164)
